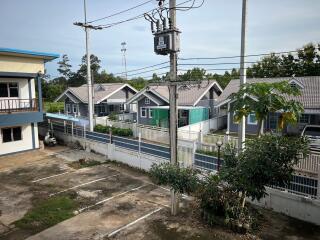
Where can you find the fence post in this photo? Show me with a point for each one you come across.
(84, 131)
(194, 149)
(72, 130)
(64, 127)
(139, 151)
(200, 136)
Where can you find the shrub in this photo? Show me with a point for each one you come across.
(113, 117)
(182, 180)
(123, 132)
(101, 129)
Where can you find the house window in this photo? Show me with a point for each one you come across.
(74, 108)
(11, 134)
(111, 108)
(150, 113)
(68, 108)
(102, 109)
(121, 107)
(273, 121)
(304, 118)
(9, 90)
(143, 112)
(252, 120)
(147, 101)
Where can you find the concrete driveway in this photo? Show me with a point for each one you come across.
(111, 198)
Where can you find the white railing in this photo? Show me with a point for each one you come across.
(310, 164)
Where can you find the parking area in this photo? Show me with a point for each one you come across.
(106, 200)
(108, 197)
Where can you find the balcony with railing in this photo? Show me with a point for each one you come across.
(18, 105)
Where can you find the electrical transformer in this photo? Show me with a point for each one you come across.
(166, 42)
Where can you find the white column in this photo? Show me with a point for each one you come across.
(228, 120)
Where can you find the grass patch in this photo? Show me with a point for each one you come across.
(54, 107)
(47, 213)
(83, 164)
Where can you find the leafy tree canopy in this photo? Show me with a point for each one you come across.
(262, 98)
(268, 160)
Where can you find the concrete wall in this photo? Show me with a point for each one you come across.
(22, 145)
(111, 152)
(296, 206)
(205, 126)
(21, 64)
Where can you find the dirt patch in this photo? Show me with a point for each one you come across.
(189, 226)
(82, 163)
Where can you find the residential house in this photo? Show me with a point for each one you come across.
(195, 103)
(20, 109)
(108, 98)
(310, 99)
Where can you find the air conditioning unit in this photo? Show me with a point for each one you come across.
(166, 42)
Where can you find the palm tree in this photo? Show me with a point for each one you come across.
(264, 98)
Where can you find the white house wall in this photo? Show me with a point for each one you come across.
(22, 145)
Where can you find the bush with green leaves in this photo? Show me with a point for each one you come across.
(220, 204)
(113, 116)
(269, 160)
(124, 132)
(182, 180)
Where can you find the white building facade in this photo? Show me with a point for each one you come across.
(20, 106)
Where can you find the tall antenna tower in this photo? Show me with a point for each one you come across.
(124, 60)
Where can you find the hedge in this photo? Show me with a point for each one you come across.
(123, 132)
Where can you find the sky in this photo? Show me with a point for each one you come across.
(210, 31)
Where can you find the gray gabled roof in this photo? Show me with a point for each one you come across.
(310, 90)
(101, 91)
(188, 95)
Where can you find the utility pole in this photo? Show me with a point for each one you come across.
(124, 60)
(166, 41)
(173, 127)
(87, 27)
(243, 77)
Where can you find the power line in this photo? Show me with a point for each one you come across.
(211, 64)
(139, 69)
(228, 57)
(120, 12)
(149, 77)
(134, 74)
(135, 17)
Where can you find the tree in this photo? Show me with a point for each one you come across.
(64, 67)
(306, 63)
(195, 74)
(138, 83)
(181, 180)
(262, 98)
(268, 160)
(95, 65)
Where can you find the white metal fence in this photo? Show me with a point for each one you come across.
(310, 164)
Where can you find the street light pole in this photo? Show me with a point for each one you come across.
(243, 77)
